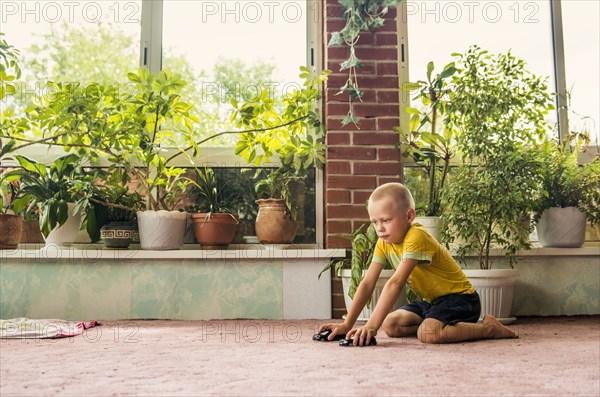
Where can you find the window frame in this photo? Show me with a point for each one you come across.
(559, 77)
(150, 57)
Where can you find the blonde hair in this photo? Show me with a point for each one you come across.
(396, 192)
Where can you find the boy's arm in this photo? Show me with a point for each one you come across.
(362, 295)
(389, 295)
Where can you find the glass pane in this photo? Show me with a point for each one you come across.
(437, 29)
(582, 57)
(79, 41)
(233, 49)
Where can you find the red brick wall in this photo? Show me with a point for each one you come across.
(359, 158)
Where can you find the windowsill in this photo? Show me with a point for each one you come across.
(590, 248)
(241, 251)
(189, 251)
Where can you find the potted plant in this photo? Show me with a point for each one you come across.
(277, 212)
(55, 191)
(352, 270)
(214, 223)
(570, 193)
(116, 205)
(430, 142)
(12, 204)
(498, 110)
(293, 133)
(130, 130)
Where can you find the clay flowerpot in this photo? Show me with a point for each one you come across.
(11, 227)
(214, 231)
(117, 235)
(31, 232)
(274, 223)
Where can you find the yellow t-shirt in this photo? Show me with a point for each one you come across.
(436, 274)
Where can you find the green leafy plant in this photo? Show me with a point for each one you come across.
(295, 135)
(428, 141)
(114, 199)
(360, 16)
(565, 183)
(498, 109)
(129, 128)
(52, 188)
(10, 69)
(363, 247)
(211, 194)
(12, 200)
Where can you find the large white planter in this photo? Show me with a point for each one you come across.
(368, 309)
(495, 288)
(433, 224)
(67, 233)
(161, 230)
(561, 227)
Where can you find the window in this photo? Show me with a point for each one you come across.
(438, 29)
(582, 57)
(222, 48)
(233, 49)
(70, 41)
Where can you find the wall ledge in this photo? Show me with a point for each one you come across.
(93, 252)
(588, 249)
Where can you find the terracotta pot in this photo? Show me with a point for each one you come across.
(274, 223)
(215, 231)
(11, 227)
(31, 232)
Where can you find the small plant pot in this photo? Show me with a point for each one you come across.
(11, 227)
(432, 224)
(31, 232)
(161, 230)
(366, 312)
(117, 235)
(561, 227)
(214, 231)
(274, 223)
(67, 233)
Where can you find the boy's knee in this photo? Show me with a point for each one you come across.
(390, 328)
(430, 331)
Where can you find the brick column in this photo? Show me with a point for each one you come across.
(359, 158)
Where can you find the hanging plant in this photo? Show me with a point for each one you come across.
(361, 16)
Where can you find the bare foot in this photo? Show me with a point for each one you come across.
(497, 330)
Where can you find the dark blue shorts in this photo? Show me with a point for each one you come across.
(449, 309)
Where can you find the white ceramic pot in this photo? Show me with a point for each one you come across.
(432, 224)
(67, 233)
(495, 288)
(561, 227)
(368, 309)
(161, 230)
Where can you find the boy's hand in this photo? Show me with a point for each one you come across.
(362, 336)
(336, 329)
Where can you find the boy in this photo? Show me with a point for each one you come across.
(450, 308)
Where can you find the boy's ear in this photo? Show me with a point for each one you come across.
(411, 214)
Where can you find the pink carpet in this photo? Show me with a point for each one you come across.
(552, 357)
